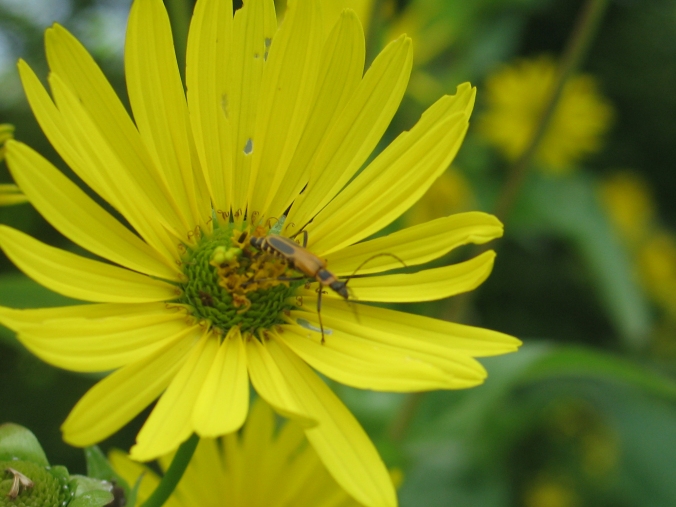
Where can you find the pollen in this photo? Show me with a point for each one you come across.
(230, 283)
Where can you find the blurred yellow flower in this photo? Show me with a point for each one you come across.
(515, 98)
(656, 259)
(450, 193)
(550, 493)
(261, 466)
(268, 143)
(629, 203)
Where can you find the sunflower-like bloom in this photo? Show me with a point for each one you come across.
(516, 98)
(194, 302)
(9, 193)
(257, 467)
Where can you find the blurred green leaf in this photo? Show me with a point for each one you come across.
(580, 362)
(461, 442)
(569, 207)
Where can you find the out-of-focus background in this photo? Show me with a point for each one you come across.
(585, 413)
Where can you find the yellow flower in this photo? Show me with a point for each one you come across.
(516, 96)
(629, 203)
(272, 133)
(259, 467)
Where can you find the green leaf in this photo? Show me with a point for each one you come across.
(574, 361)
(569, 206)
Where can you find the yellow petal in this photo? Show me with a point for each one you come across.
(19, 320)
(170, 422)
(357, 130)
(397, 178)
(118, 398)
(255, 440)
(82, 221)
(101, 167)
(131, 471)
(74, 65)
(413, 331)
(341, 67)
(271, 385)
(459, 369)
(78, 277)
(427, 285)
(342, 444)
(415, 245)
(253, 28)
(223, 402)
(10, 193)
(209, 46)
(289, 78)
(102, 344)
(158, 102)
(58, 132)
(362, 364)
(284, 471)
(204, 482)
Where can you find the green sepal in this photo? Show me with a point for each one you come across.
(17, 442)
(90, 492)
(99, 467)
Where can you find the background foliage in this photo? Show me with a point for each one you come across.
(585, 413)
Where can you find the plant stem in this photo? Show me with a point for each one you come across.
(577, 46)
(174, 473)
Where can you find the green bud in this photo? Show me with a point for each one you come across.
(222, 254)
(27, 484)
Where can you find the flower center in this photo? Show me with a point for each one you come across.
(231, 283)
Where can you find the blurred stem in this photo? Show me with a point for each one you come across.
(401, 423)
(174, 473)
(578, 44)
(179, 15)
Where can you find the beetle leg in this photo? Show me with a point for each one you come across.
(319, 312)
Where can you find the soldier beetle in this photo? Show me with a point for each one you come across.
(302, 260)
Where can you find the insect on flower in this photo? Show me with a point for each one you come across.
(301, 259)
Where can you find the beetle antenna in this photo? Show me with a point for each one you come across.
(302, 229)
(375, 257)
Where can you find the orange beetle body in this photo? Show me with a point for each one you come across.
(300, 259)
